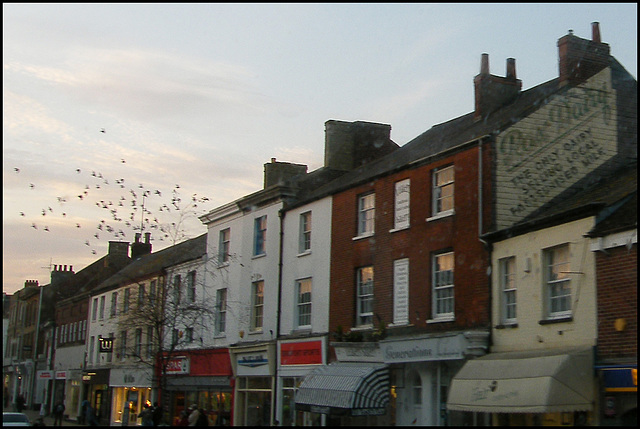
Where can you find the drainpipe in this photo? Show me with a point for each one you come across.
(487, 245)
(281, 215)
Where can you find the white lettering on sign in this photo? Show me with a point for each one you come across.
(401, 292)
(401, 216)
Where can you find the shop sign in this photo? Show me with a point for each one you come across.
(357, 352)
(61, 375)
(301, 353)
(425, 349)
(106, 345)
(45, 375)
(253, 360)
(178, 365)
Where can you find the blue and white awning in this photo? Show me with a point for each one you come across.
(345, 388)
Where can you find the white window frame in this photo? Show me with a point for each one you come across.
(94, 310)
(257, 305)
(305, 232)
(260, 236)
(443, 189)
(221, 311)
(191, 286)
(508, 290)
(443, 286)
(304, 288)
(92, 346)
(557, 281)
(102, 305)
(114, 305)
(224, 244)
(365, 296)
(366, 214)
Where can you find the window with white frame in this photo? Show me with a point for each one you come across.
(221, 311)
(224, 246)
(364, 296)
(557, 280)
(443, 289)
(507, 267)
(152, 292)
(191, 286)
(102, 305)
(260, 236)
(257, 305)
(94, 312)
(507, 279)
(366, 214)
(303, 288)
(443, 181)
(114, 304)
(305, 232)
(92, 346)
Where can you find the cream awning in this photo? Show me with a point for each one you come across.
(525, 382)
(340, 388)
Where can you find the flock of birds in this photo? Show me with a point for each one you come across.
(126, 209)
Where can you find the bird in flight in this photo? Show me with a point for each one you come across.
(102, 130)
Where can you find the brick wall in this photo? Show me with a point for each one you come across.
(418, 243)
(617, 282)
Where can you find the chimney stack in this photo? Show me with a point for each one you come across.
(277, 173)
(349, 145)
(493, 92)
(579, 59)
(138, 248)
(31, 283)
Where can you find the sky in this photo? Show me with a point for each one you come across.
(125, 118)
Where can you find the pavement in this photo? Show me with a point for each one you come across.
(48, 420)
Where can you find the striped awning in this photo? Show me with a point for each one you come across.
(345, 388)
(525, 382)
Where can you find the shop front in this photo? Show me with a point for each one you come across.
(422, 367)
(204, 378)
(96, 388)
(70, 384)
(297, 359)
(619, 394)
(131, 391)
(254, 370)
(528, 388)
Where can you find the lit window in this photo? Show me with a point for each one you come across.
(443, 297)
(304, 302)
(508, 287)
(366, 214)
(443, 180)
(257, 305)
(260, 236)
(558, 282)
(365, 296)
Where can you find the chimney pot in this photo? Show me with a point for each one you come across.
(147, 237)
(595, 32)
(511, 68)
(484, 64)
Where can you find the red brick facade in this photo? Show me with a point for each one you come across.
(457, 233)
(617, 280)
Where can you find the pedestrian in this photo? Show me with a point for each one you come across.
(83, 412)
(90, 417)
(193, 416)
(147, 416)
(43, 411)
(203, 420)
(157, 414)
(20, 403)
(184, 419)
(58, 414)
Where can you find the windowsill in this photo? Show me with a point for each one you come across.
(507, 325)
(305, 253)
(362, 328)
(442, 319)
(302, 329)
(441, 215)
(254, 332)
(221, 335)
(562, 319)
(262, 255)
(223, 265)
(360, 237)
(398, 229)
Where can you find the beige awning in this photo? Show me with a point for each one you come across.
(525, 382)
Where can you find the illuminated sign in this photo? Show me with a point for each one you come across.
(106, 345)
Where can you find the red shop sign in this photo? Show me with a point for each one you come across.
(303, 353)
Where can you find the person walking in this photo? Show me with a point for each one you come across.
(58, 414)
(147, 416)
(193, 416)
(20, 403)
(157, 414)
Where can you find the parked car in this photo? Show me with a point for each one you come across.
(15, 419)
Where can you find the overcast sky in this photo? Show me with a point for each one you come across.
(200, 96)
